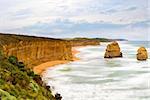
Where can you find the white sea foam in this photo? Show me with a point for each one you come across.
(96, 78)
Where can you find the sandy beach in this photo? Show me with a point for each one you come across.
(42, 67)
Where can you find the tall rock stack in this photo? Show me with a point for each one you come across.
(142, 54)
(113, 50)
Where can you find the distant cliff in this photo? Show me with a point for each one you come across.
(83, 41)
(35, 50)
(90, 41)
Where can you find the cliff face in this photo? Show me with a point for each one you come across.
(34, 50)
(113, 50)
(142, 54)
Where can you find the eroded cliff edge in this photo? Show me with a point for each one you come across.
(37, 50)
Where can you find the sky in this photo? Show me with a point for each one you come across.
(127, 19)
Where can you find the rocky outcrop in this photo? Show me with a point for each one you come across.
(142, 54)
(35, 50)
(113, 50)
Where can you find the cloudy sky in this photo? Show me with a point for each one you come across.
(127, 19)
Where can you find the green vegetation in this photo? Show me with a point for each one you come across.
(13, 60)
(103, 39)
(98, 39)
(20, 83)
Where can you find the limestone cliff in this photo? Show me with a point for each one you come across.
(113, 50)
(142, 54)
(35, 50)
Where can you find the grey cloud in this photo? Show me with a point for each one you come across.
(131, 8)
(66, 28)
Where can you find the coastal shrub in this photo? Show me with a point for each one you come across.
(2, 81)
(13, 60)
(1, 54)
(4, 64)
(23, 70)
(20, 64)
(34, 86)
(20, 83)
(21, 78)
(30, 73)
(6, 96)
(38, 79)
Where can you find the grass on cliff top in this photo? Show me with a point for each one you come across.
(13, 38)
(19, 83)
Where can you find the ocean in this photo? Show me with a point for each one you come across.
(96, 78)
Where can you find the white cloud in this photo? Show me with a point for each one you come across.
(17, 14)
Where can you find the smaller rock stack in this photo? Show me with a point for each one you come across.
(142, 54)
(113, 50)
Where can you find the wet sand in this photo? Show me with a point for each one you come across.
(42, 67)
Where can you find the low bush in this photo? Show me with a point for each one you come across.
(20, 64)
(13, 60)
(19, 83)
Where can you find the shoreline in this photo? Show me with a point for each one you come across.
(39, 69)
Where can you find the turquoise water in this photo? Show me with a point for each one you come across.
(96, 78)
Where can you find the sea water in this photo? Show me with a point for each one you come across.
(96, 78)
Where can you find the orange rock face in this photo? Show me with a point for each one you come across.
(142, 54)
(37, 50)
(34, 51)
(113, 50)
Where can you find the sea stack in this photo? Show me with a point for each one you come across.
(113, 50)
(142, 54)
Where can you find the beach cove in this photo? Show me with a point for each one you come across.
(42, 67)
